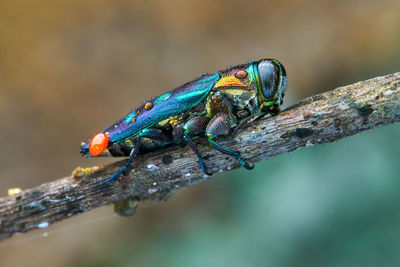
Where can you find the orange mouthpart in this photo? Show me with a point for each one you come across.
(98, 144)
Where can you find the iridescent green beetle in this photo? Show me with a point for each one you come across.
(213, 104)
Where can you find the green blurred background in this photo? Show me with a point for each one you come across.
(68, 68)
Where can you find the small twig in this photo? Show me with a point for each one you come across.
(316, 120)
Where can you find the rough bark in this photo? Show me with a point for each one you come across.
(316, 120)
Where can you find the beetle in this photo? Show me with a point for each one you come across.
(214, 104)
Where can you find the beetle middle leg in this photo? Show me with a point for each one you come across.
(195, 126)
(222, 124)
(146, 133)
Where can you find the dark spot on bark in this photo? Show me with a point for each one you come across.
(35, 208)
(337, 123)
(365, 111)
(303, 132)
(73, 207)
(307, 116)
(206, 156)
(314, 123)
(99, 187)
(167, 159)
(287, 135)
(22, 225)
(298, 132)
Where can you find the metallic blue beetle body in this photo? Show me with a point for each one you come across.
(174, 102)
(214, 105)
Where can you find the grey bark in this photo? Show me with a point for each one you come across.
(316, 120)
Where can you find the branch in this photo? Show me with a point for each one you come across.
(316, 120)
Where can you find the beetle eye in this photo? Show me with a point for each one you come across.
(268, 78)
(98, 144)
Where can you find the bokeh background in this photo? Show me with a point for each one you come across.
(68, 68)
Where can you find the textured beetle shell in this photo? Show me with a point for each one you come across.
(232, 91)
(174, 102)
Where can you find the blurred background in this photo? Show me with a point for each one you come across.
(69, 68)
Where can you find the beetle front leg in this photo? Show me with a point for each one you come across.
(195, 126)
(147, 133)
(222, 124)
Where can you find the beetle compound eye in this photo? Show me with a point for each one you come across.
(98, 144)
(268, 78)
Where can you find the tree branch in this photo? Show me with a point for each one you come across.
(316, 120)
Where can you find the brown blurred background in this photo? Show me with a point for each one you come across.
(69, 68)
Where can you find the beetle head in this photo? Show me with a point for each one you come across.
(266, 76)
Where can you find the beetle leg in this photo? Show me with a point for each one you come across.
(147, 133)
(154, 139)
(273, 110)
(194, 126)
(219, 125)
(127, 165)
(247, 120)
